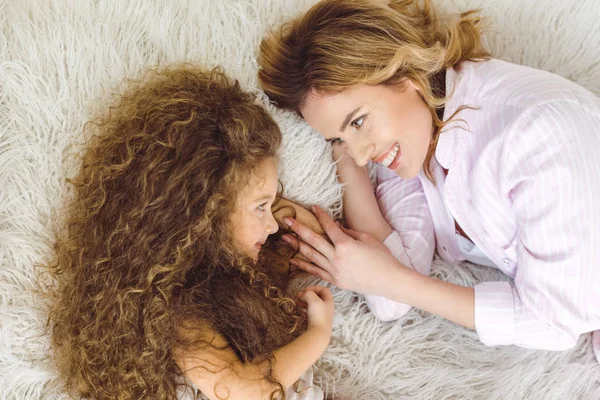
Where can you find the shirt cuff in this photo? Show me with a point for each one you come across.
(495, 313)
(396, 246)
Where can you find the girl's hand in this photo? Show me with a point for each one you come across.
(352, 260)
(318, 302)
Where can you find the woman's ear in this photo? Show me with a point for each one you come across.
(409, 84)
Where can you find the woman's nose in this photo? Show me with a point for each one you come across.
(360, 152)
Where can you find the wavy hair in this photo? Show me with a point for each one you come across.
(145, 244)
(338, 44)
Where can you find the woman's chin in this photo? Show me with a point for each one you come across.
(406, 172)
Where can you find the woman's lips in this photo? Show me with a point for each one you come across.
(384, 160)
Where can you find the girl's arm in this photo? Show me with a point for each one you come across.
(218, 373)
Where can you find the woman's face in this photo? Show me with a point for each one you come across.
(390, 125)
(252, 221)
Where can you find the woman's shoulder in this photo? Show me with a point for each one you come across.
(513, 107)
(511, 85)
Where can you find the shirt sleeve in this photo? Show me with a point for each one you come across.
(403, 204)
(552, 176)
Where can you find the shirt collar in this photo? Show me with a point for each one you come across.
(451, 137)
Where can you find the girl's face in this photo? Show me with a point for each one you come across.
(252, 221)
(389, 125)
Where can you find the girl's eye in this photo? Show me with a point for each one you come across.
(262, 207)
(337, 141)
(358, 122)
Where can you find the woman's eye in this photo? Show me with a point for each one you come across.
(262, 207)
(357, 123)
(337, 141)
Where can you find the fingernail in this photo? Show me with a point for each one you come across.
(294, 263)
(286, 239)
(288, 221)
(313, 208)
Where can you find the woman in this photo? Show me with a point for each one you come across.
(483, 160)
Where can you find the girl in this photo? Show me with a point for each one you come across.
(483, 160)
(159, 273)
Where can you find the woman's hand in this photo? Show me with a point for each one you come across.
(353, 260)
(357, 261)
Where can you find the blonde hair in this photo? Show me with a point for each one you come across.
(338, 44)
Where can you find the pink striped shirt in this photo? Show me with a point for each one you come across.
(524, 185)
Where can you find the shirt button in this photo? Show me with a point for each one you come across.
(506, 262)
(444, 247)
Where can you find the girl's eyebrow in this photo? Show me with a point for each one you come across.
(264, 197)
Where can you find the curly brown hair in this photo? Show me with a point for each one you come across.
(145, 242)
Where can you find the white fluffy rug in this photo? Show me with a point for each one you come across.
(57, 56)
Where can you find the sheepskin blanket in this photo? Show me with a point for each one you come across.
(58, 57)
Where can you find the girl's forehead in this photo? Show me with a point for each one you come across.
(262, 182)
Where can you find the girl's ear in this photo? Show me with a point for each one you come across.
(286, 208)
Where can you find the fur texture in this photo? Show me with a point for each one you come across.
(58, 57)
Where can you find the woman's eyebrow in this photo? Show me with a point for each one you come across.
(348, 118)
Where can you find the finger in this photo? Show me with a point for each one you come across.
(292, 241)
(311, 237)
(310, 297)
(295, 243)
(301, 303)
(313, 270)
(308, 253)
(323, 292)
(332, 230)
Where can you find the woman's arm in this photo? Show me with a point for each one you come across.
(550, 170)
(218, 373)
(361, 210)
(453, 302)
(396, 213)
